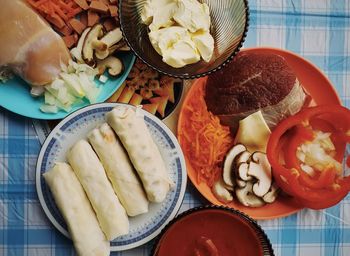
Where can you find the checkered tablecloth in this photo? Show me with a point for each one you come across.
(319, 30)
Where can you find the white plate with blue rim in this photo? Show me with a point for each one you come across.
(15, 94)
(74, 127)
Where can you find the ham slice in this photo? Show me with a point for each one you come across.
(28, 45)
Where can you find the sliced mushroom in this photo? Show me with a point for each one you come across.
(228, 163)
(77, 51)
(113, 48)
(112, 37)
(98, 45)
(242, 167)
(104, 54)
(114, 65)
(110, 41)
(91, 43)
(242, 173)
(271, 196)
(221, 193)
(240, 183)
(101, 55)
(246, 196)
(229, 188)
(260, 168)
(122, 46)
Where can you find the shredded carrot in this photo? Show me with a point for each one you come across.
(205, 141)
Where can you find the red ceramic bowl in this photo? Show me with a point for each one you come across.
(212, 230)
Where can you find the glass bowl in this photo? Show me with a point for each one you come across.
(212, 230)
(229, 26)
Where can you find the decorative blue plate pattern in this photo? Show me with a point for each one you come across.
(74, 127)
(15, 94)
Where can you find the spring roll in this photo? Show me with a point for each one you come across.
(119, 170)
(132, 131)
(89, 170)
(71, 200)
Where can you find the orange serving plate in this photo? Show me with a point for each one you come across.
(322, 92)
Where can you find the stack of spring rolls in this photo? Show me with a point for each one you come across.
(107, 180)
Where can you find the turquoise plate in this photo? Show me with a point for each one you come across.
(15, 94)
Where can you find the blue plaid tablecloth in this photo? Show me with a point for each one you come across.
(319, 30)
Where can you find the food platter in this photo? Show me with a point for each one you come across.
(316, 84)
(144, 227)
(15, 94)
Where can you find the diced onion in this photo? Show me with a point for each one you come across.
(103, 78)
(308, 169)
(318, 154)
(75, 83)
(49, 98)
(90, 89)
(37, 91)
(48, 108)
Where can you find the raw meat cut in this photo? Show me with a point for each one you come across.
(28, 45)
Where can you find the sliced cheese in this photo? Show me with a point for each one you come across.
(253, 132)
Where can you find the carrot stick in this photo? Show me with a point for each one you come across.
(40, 2)
(55, 20)
(64, 6)
(60, 12)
